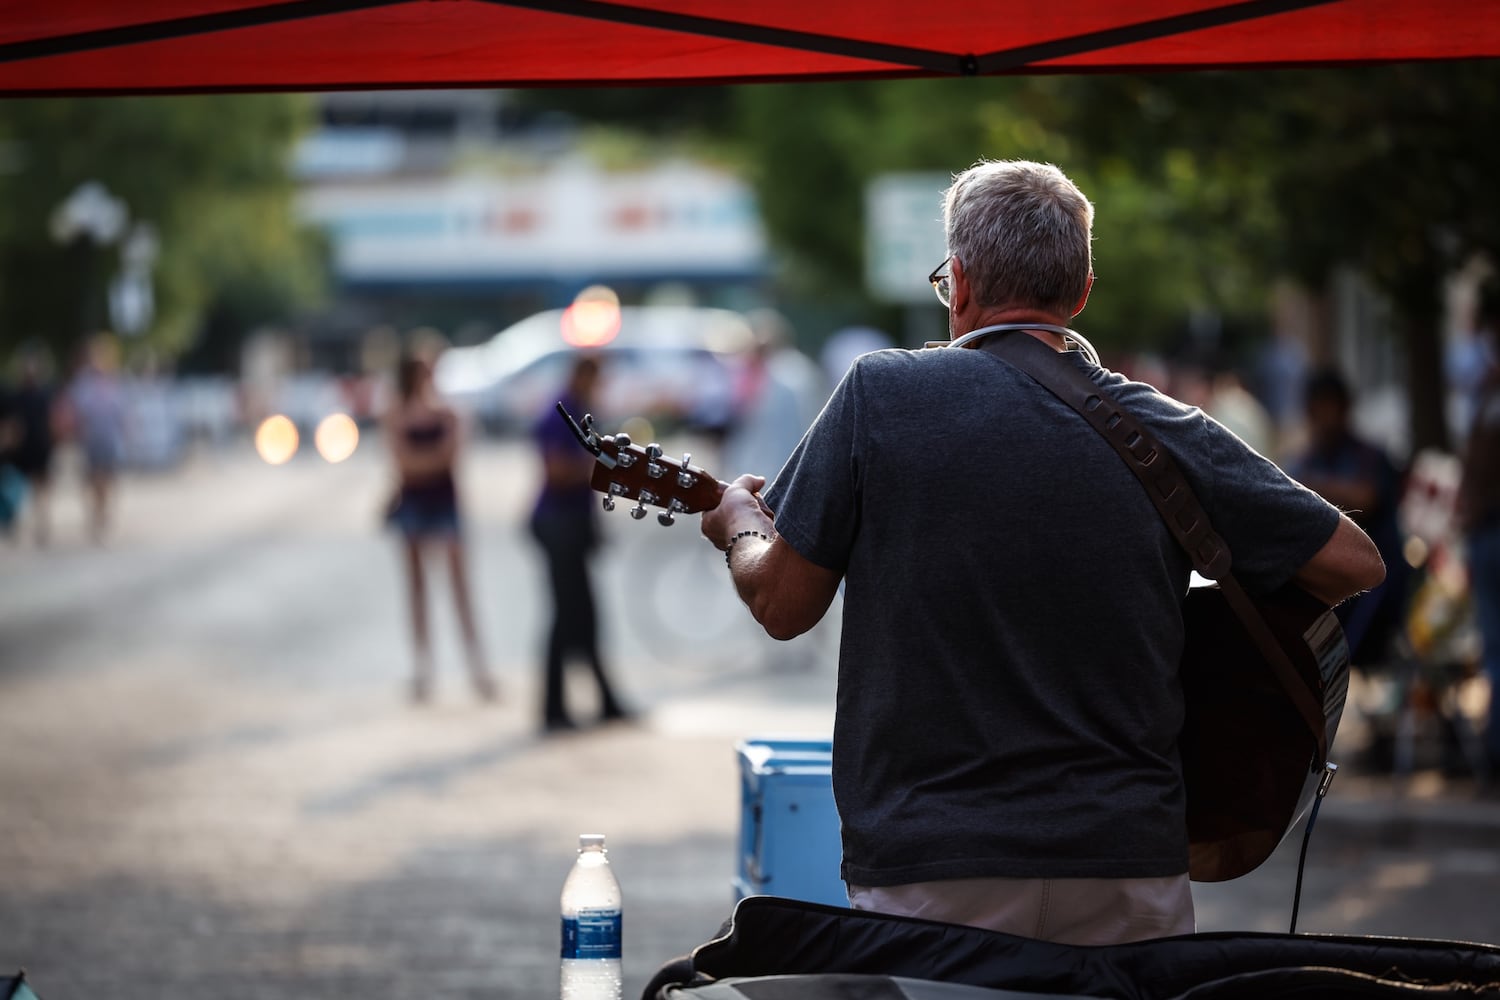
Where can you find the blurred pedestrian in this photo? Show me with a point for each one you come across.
(846, 344)
(12, 483)
(1470, 356)
(423, 435)
(1359, 478)
(563, 523)
(779, 392)
(1233, 405)
(1281, 372)
(1479, 514)
(30, 409)
(96, 416)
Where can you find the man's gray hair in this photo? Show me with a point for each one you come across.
(1022, 231)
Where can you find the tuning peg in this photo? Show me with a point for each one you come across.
(686, 479)
(667, 517)
(609, 503)
(654, 468)
(638, 511)
(622, 439)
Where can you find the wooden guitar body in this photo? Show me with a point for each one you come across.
(1251, 766)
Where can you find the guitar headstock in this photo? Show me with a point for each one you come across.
(628, 471)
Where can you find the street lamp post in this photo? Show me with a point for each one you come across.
(90, 219)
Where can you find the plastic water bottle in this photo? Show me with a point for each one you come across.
(591, 918)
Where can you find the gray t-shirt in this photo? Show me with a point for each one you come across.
(1008, 702)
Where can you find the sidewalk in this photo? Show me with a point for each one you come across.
(1427, 807)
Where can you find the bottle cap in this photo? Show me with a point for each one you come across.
(587, 840)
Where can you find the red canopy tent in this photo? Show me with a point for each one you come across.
(161, 46)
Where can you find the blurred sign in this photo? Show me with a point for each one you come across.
(904, 237)
(678, 219)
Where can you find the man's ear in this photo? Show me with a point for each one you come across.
(959, 294)
(1083, 299)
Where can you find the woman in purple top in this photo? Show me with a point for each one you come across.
(563, 524)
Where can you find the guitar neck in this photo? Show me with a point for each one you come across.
(624, 470)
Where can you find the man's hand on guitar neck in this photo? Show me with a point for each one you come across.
(740, 509)
(786, 593)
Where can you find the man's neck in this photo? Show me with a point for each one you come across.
(1012, 317)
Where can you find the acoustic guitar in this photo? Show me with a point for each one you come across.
(1251, 761)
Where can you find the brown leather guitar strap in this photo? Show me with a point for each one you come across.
(1169, 491)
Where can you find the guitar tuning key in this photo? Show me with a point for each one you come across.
(638, 511)
(624, 457)
(615, 490)
(686, 479)
(654, 468)
(668, 517)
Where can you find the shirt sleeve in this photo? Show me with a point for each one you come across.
(1272, 524)
(816, 495)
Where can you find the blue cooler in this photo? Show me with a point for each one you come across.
(789, 828)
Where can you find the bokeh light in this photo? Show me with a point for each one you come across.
(276, 440)
(641, 430)
(336, 437)
(593, 319)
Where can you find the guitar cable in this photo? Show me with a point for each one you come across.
(1329, 770)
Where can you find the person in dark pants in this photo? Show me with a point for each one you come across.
(563, 524)
(1360, 478)
(30, 409)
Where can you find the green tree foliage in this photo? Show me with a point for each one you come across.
(1390, 170)
(209, 174)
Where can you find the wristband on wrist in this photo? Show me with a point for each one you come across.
(743, 534)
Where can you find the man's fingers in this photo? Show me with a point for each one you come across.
(740, 498)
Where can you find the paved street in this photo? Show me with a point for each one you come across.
(211, 784)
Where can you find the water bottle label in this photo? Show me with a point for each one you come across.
(591, 934)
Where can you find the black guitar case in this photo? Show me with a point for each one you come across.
(774, 948)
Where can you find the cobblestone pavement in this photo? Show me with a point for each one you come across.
(210, 785)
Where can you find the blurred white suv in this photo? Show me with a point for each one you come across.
(668, 363)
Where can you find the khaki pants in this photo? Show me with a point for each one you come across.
(1088, 911)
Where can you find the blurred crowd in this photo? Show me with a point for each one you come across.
(36, 414)
(1425, 644)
